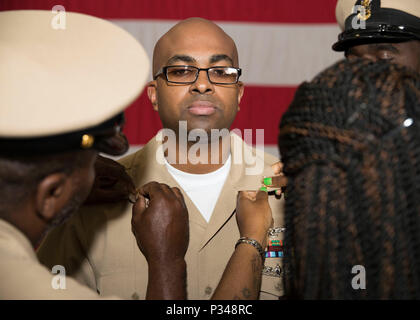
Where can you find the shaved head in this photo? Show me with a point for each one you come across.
(191, 33)
(202, 104)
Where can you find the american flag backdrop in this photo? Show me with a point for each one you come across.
(281, 43)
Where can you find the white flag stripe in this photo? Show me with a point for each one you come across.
(269, 54)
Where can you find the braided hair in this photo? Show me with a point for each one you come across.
(350, 144)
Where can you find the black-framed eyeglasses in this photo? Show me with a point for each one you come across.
(189, 74)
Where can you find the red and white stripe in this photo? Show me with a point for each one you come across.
(281, 43)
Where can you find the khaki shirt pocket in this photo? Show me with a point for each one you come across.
(121, 284)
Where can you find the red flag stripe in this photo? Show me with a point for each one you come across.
(268, 11)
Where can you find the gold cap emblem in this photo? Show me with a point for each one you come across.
(367, 10)
(87, 141)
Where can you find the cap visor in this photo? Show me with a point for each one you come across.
(368, 38)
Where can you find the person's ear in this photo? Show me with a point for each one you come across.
(241, 89)
(52, 195)
(151, 92)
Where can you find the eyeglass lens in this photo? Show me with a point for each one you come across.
(189, 74)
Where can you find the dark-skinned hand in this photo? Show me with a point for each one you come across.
(112, 183)
(277, 181)
(253, 215)
(161, 226)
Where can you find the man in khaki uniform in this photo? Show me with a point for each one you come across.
(96, 246)
(49, 140)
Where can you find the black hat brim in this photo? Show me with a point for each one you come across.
(371, 37)
(106, 136)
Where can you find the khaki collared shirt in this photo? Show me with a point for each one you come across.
(23, 277)
(98, 248)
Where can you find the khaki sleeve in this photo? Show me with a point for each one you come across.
(66, 246)
(30, 280)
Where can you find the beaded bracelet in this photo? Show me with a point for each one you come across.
(253, 243)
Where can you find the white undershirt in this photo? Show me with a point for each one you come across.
(203, 189)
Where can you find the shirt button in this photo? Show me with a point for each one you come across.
(135, 296)
(208, 290)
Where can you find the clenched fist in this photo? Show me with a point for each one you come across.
(161, 226)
